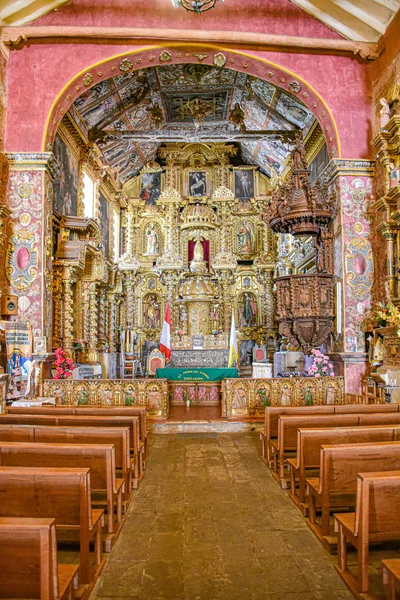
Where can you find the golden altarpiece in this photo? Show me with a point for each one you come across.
(195, 236)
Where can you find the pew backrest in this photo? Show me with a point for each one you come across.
(100, 459)
(64, 494)
(17, 433)
(378, 504)
(272, 414)
(380, 418)
(29, 559)
(340, 464)
(309, 441)
(288, 426)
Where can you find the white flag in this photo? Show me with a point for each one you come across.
(233, 347)
(165, 341)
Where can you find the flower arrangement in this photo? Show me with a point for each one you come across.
(216, 331)
(64, 365)
(78, 345)
(179, 333)
(388, 314)
(321, 366)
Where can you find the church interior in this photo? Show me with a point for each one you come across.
(200, 299)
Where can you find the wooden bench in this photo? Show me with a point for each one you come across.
(391, 577)
(125, 411)
(379, 418)
(337, 483)
(61, 494)
(119, 436)
(29, 565)
(272, 414)
(287, 435)
(100, 459)
(132, 422)
(376, 519)
(309, 442)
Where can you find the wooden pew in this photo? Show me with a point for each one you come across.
(391, 577)
(125, 411)
(287, 435)
(309, 442)
(379, 419)
(89, 421)
(119, 436)
(59, 493)
(100, 459)
(337, 482)
(29, 565)
(272, 414)
(376, 519)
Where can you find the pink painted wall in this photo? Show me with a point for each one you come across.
(262, 16)
(36, 75)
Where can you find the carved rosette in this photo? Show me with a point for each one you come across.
(305, 308)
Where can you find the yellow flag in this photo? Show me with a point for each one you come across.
(233, 347)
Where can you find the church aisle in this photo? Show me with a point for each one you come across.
(209, 521)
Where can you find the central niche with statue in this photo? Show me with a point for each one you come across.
(195, 235)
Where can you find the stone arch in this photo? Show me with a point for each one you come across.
(212, 55)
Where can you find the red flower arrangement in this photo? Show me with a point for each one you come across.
(64, 365)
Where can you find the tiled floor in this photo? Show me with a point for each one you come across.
(209, 521)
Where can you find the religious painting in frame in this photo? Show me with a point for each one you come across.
(197, 183)
(104, 218)
(65, 187)
(150, 189)
(244, 183)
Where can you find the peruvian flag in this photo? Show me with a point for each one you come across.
(165, 341)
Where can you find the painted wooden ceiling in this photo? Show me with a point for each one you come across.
(121, 104)
(360, 20)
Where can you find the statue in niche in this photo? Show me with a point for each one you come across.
(215, 316)
(152, 312)
(245, 237)
(153, 247)
(384, 112)
(249, 311)
(331, 395)
(198, 264)
(286, 398)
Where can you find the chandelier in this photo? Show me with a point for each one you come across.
(196, 6)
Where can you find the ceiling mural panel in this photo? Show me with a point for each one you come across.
(163, 101)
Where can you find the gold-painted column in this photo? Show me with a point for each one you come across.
(112, 322)
(68, 316)
(93, 354)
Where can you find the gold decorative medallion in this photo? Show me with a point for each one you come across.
(165, 56)
(25, 219)
(294, 87)
(219, 59)
(125, 65)
(25, 190)
(87, 80)
(22, 260)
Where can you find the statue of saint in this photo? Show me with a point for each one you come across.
(152, 312)
(249, 310)
(153, 246)
(198, 264)
(299, 155)
(198, 253)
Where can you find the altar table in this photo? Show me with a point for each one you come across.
(196, 374)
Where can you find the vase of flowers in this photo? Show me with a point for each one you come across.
(179, 333)
(216, 332)
(64, 365)
(321, 367)
(388, 315)
(77, 347)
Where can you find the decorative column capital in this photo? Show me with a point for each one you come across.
(348, 166)
(34, 161)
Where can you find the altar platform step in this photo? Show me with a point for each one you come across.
(201, 419)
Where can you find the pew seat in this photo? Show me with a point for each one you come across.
(62, 494)
(29, 565)
(376, 519)
(391, 577)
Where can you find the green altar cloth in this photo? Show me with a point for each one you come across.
(196, 374)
